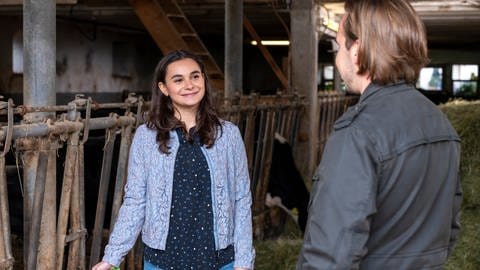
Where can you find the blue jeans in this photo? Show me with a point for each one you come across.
(149, 266)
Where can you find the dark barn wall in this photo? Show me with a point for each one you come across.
(102, 61)
(259, 76)
(91, 59)
(9, 82)
(105, 62)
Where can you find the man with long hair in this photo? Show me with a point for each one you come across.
(386, 194)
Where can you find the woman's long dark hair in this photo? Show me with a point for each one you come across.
(161, 116)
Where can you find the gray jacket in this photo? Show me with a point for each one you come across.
(386, 194)
(148, 196)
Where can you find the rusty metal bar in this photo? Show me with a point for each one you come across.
(46, 258)
(102, 197)
(57, 128)
(258, 153)
(331, 106)
(259, 107)
(262, 181)
(81, 169)
(69, 202)
(77, 251)
(125, 143)
(65, 197)
(37, 208)
(6, 258)
(249, 138)
(296, 125)
(29, 172)
(22, 110)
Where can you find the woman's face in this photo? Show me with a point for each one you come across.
(184, 84)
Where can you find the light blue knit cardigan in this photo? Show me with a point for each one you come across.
(148, 195)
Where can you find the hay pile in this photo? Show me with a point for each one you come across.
(465, 117)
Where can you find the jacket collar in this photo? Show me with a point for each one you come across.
(373, 89)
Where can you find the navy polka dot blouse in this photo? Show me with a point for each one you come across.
(190, 241)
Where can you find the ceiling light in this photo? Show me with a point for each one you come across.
(272, 42)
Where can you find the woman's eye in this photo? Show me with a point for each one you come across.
(177, 81)
(196, 76)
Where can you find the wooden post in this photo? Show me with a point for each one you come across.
(304, 51)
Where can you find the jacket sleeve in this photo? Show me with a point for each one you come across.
(132, 212)
(243, 236)
(342, 202)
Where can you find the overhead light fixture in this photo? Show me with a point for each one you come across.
(271, 42)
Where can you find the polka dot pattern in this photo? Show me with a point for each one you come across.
(190, 241)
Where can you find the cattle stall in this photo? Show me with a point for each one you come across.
(81, 225)
(76, 243)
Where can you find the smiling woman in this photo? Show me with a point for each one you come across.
(185, 85)
(188, 186)
(182, 95)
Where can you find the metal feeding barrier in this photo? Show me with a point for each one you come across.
(73, 244)
(37, 144)
(331, 105)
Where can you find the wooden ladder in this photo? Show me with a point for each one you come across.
(171, 30)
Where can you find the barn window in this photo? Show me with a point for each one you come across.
(17, 53)
(430, 79)
(465, 80)
(325, 76)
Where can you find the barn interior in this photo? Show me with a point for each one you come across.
(81, 70)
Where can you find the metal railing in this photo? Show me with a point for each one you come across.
(258, 118)
(332, 105)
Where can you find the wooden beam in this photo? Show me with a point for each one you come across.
(266, 53)
(304, 55)
(171, 30)
(158, 25)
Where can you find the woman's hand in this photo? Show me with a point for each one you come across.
(102, 266)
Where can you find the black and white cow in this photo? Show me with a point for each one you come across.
(286, 186)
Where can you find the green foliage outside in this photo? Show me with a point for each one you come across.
(282, 253)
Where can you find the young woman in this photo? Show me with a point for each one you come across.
(188, 189)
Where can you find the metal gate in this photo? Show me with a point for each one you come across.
(64, 225)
